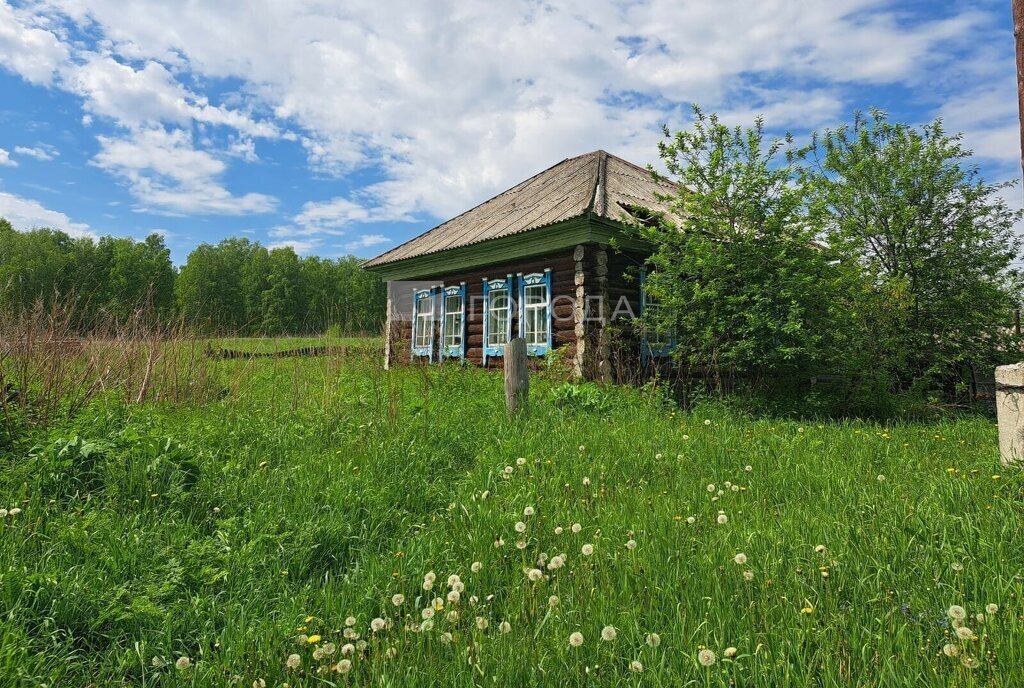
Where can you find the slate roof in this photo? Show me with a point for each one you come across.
(597, 183)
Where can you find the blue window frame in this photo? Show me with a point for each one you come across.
(497, 316)
(423, 323)
(453, 322)
(535, 311)
(656, 341)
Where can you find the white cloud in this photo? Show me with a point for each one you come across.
(367, 241)
(24, 213)
(300, 246)
(141, 97)
(167, 174)
(5, 159)
(27, 47)
(41, 152)
(451, 102)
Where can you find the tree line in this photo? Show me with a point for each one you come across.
(875, 257)
(236, 286)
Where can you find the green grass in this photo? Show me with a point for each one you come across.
(316, 489)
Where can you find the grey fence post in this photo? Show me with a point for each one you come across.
(1010, 412)
(517, 375)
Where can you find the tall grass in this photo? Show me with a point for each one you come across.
(242, 528)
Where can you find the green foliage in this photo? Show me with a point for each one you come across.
(935, 244)
(580, 396)
(740, 280)
(236, 286)
(876, 254)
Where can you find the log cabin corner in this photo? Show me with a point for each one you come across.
(548, 260)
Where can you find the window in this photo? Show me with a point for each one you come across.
(658, 338)
(423, 323)
(498, 316)
(453, 321)
(535, 311)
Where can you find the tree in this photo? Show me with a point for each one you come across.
(739, 276)
(934, 239)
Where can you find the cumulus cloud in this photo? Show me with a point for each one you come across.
(166, 173)
(40, 152)
(5, 159)
(436, 105)
(25, 213)
(28, 47)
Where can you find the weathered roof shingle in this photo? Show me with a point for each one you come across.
(596, 183)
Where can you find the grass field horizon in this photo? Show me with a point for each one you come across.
(320, 521)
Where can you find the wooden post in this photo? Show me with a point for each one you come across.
(517, 375)
(1018, 39)
(1010, 412)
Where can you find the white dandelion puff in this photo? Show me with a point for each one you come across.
(476, 566)
(636, 667)
(991, 608)
(740, 558)
(398, 599)
(576, 639)
(520, 527)
(534, 575)
(504, 627)
(608, 634)
(964, 633)
(377, 625)
(293, 661)
(957, 612)
(653, 639)
(553, 601)
(722, 519)
(529, 511)
(344, 666)
(706, 657)
(587, 549)
(576, 527)
(950, 650)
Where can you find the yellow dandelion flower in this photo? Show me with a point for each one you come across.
(313, 639)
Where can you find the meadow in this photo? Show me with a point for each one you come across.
(322, 522)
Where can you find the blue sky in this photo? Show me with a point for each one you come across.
(350, 127)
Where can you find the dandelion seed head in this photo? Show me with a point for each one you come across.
(576, 527)
(576, 639)
(653, 640)
(377, 625)
(957, 612)
(534, 575)
(504, 627)
(691, 520)
(520, 527)
(350, 621)
(348, 649)
(476, 566)
(344, 666)
(964, 633)
(706, 657)
(608, 634)
(991, 608)
(446, 638)
(521, 544)
(553, 601)
(740, 558)
(521, 461)
(729, 652)
(587, 549)
(558, 530)
(820, 549)
(950, 650)
(722, 519)
(748, 575)
(293, 661)
(636, 667)
(528, 511)
(481, 623)
(183, 662)
(398, 599)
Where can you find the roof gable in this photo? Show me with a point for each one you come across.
(595, 183)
